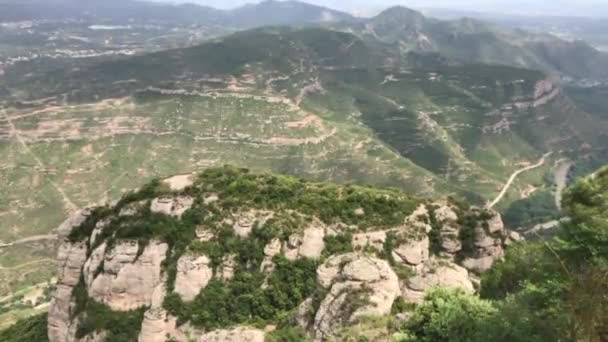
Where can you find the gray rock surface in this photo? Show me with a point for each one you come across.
(193, 275)
(71, 259)
(128, 280)
(358, 286)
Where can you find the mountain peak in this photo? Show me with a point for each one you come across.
(401, 13)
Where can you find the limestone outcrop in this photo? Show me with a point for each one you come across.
(308, 244)
(243, 222)
(344, 268)
(488, 234)
(413, 252)
(71, 258)
(193, 274)
(158, 326)
(128, 279)
(435, 273)
(358, 285)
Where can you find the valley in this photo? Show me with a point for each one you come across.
(93, 109)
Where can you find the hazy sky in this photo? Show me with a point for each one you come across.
(531, 7)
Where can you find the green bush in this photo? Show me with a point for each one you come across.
(540, 207)
(449, 315)
(119, 326)
(338, 244)
(287, 334)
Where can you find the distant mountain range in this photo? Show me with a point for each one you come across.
(453, 41)
(469, 40)
(248, 16)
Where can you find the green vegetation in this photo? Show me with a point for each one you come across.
(435, 233)
(541, 291)
(538, 208)
(449, 316)
(338, 244)
(29, 329)
(330, 203)
(120, 326)
(287, 334)
(243, 299)
(238, 188)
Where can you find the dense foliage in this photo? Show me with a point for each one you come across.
(243, 299)
(540, 207)
(30, 329)
(449, 316)
(542, 291)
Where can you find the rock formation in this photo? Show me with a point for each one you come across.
(71, 259)
(439, 244)
(358, 285)
(193, 274)
(127, 280)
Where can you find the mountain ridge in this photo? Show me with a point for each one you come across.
(467, 40)
(261, 14)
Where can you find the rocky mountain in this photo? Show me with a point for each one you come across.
(227, 255)
(469, 40)
(133, 11)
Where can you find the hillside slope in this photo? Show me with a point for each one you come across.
(265, 13)
(469, 40)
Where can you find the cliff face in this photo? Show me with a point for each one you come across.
(226, 256)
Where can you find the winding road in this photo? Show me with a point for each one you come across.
(514, 176)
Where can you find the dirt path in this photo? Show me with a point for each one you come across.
(545, 226)
(33, 262)
(69, 205)
(35, 238)
(514, 176)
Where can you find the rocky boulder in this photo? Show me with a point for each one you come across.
(272, 249)
(435, 273)
(179, 182)
(308, 244)
(193, 274)
(358, 285)
(412, 253)
(373, 240)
